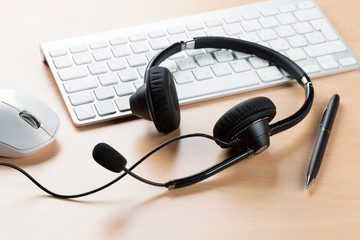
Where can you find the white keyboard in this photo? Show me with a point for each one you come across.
(96, 74)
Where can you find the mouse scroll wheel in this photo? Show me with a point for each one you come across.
(30, 119)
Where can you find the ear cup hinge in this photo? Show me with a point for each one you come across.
(305, 81)
(188, 44)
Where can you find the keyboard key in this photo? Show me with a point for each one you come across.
(159, 43)
(101, 55)
(285, 31)
(309, 14)
(184, 77)
(58, 52)
(82, 58)
(296, 54)
(223, 56)
(98, 44)
(251, 37)
(62, 62)
(233, 29)
(104, 108)
(251, 15)
(108, 79)
(140, 47)
(221, 69)
(286, 18)
(305, 5)
(329, 33)
(269, 74)
(240, 65)
(136, 60)
(124, 89)
(215, 31)
(137, 37)
(195, 26)
(303, 27)
(347, 61)
(80, 84)
(157, 33)
(79, 48)
(319, 23)
(72, 73)
(123, 103)
(325, 48)
(315, 37)
(177, 38)
(204, 59)
(251, 26)
(104, 93)
(297, 41)
(118, 41)
(84, 112)
(257, 62)
(214, 23)
(127, 75)
(327, 62)
(267, 35)
(186, 63)
(287, 8)
(279, 44)
(202, 73)
(116, 64)
(269, 12)
(176, 30)
(194, 52)
(121, 51)
(312, 68)
(269, 22)
(241, 55)
(97, 68)
(80, 98)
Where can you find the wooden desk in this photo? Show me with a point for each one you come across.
(263, 197)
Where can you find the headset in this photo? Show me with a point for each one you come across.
(245, 126)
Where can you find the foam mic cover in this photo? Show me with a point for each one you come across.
(108, 157)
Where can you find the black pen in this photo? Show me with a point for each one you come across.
(326, 124)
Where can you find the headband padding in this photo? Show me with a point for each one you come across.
(163, 100)
(242, 115)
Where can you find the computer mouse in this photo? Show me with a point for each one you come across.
(27, 125)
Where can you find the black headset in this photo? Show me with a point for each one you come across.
(245, 126)
(247, 122)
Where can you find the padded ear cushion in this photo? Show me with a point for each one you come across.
(242, 115)
(162, 99)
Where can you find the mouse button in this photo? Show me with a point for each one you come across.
(17, 133)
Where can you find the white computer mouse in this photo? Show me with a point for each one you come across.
(27, 125)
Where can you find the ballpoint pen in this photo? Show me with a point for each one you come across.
(326, 124)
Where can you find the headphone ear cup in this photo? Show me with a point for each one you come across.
(238, 118)
(162, 99)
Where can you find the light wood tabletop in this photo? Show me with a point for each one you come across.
(262, 197)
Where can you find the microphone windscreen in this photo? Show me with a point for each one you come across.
(108, 157)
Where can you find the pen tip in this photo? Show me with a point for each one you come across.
(309, 182)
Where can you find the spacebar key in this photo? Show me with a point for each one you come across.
(215, 85)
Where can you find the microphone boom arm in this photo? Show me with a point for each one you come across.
(198, 177)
